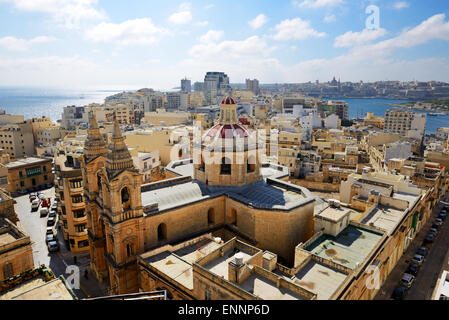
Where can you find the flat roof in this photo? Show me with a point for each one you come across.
(177, 265)
(386, 218)
(319, 278)
(38, 289)
(219, 265)
(267, 289)
(6, 238)
(333, 214)
(349, 248)
(25, 162)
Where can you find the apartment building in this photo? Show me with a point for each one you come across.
(69, 190)
(29, 173)
(405, 123)
(17, 139)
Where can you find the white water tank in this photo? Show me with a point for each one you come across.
(238, 259)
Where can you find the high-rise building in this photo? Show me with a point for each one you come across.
(252, 85)
(215, 83)
(178, 100)
(186, 86)
(198, 86)
(341, 109)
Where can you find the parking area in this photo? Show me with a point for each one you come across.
(415, 277)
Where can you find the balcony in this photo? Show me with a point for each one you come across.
(78, 205)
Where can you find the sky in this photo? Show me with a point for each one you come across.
(107, 44)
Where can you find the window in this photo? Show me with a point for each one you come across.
(207, 295)
(80, 227)
(250, 165)
(211, 216)
(77, 199)
(225, 166)
(74, 184)
(33, 171)
(8, 271)
(129, 250)
(162, 232)
(44, 168)
(20, 174)
(83, 244)
(45, 177)
(79, 213)
(22, 184)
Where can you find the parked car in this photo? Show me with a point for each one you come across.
(49, 230)
(51, 221)
(35, 205)
(49, 185)
(442, 216)
(435, 226)
(53, 246)
(400, 292)
(439, 220)
(54, 206)
(52, 213)
(433, 231)
(422, 251)
(44, 212)
(429, 238)
(407, 280)
(418, 259)
(41, 196)
(50, 237)
(413, 269)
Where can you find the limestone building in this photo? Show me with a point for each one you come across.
(235, 196)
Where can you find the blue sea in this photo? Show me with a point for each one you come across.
(34, 102)
(359, 107)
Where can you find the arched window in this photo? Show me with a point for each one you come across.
(99, 181)
(211, 216)
(233, 217)
(129, 250)
(125, 198)
(180, 153)
(250, 164)
(225, 166)
(162, 232)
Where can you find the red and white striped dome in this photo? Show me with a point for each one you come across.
(227, 100)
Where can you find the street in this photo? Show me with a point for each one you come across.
(427, 276)
(35, 227)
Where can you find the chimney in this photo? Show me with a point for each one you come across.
(235, 267)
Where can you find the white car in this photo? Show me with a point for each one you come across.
(35, 204)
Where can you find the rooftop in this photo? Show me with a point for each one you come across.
(177, 265)
(38, 289)
(349, 248)
(25, 162)
(319, 278)
(334, 214)
(386, 218)
(272, 194)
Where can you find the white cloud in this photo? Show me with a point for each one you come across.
(202, 23)
(258, 21)
(401, 5)
(239, 50)
(296, 29)
(17, 44)
(329, 18)
(350, 39)
(209, 6)
(137, 31)
(183, 15)
(69, 13)
(212, 36)
(317, 3)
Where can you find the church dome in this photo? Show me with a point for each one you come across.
(227, 100)
(227, 131)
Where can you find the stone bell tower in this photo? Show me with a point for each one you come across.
(92, 163)
(123, 215)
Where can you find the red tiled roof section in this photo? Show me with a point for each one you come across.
(228, 131)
